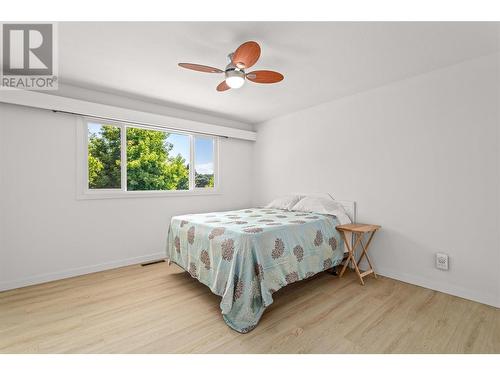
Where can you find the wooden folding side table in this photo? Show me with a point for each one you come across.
(357, 231)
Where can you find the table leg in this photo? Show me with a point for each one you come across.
(349, 251)
(365, 254)
(351, 257)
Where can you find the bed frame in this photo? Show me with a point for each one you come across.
(350, 208)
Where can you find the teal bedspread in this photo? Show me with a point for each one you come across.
(244, 256)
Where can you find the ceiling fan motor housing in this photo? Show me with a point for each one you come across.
(234, 72)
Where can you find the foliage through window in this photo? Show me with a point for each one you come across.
(154, 160)
(104, 156)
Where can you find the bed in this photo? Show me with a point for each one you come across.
(246, 255)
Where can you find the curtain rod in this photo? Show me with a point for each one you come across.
(136, 123)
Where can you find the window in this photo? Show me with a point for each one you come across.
(104, 150)
(204, 162)
(127, 159)
(157, 160)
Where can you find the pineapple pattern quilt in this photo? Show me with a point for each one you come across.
(245, 256)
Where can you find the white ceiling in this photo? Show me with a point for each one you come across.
(320, 61)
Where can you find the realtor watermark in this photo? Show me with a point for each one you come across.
(29, 56)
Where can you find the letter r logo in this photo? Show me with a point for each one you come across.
(27, 49)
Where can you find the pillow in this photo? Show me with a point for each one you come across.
(322, 205)
(285, 202)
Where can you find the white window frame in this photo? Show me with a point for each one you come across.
(84, 192)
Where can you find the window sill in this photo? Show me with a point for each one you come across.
(144, 194)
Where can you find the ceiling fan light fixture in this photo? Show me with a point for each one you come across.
(235, 78)
(235, 82)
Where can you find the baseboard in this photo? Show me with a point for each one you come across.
(43, 278)
(454, 290)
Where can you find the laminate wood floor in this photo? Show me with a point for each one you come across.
(161, 309)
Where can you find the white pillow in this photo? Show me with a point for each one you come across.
(322, 205)
(285, 202)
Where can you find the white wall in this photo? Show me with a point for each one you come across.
(420, 157)
(46, 233)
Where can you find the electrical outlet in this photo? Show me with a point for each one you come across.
(442, 261)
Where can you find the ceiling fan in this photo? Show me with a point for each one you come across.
(243, 58)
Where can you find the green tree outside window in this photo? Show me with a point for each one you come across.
(149, 163)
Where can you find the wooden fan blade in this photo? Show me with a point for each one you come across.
(223, 86)
(200, 68)
(246, 55)
(264, 76)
